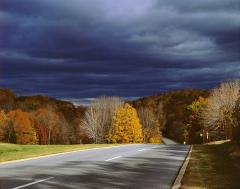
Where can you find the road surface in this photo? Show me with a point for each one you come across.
(139, 166)
(168, 141)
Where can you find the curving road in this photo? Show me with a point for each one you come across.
(130, 166)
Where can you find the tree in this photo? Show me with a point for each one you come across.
(64, 133)
(22, 126)
(49, 119)
(98, 119)
(41, 133)
(3, 126)
(150, 125)
(194, 130)
(236, 117)
(126, 126)
(90, 124)
(220, 107)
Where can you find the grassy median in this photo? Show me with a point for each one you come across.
(10, 152)
(213, 167)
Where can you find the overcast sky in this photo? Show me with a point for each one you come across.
(132, 48)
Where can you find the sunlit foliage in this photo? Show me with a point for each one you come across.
(127, 127)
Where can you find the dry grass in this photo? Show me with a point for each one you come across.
(212, 167)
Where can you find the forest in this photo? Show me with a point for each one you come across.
(187, 116)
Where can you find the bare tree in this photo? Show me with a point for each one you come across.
(90, 123)
(161, 115)
(220, 106)
(150, 124)
(98, 119)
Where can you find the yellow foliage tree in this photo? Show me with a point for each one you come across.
(126, 126)
(3, 125)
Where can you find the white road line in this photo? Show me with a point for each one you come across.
(142, 150)
(32, 183)
(113, 158)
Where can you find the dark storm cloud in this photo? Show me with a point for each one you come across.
(82, 48)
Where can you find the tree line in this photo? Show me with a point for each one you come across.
(169, 110)
(43, 126)
(187, 116)
(216, 117)
(42, 120)
(111, 120)
(39, 120)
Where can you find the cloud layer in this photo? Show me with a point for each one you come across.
(82, 49)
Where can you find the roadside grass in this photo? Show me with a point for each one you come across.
(10, 152)
(213, 167)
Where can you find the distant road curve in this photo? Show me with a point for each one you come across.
(168, 141)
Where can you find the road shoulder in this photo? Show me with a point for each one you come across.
(182, 170)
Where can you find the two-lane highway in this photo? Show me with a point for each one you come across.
(129, 166)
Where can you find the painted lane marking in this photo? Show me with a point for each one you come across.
(32, 183)
(113, 158)
(142, 150)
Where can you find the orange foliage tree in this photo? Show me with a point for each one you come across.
(22, 127)
(126, 126)
(47, 124)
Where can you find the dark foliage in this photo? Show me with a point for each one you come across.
(170, 109)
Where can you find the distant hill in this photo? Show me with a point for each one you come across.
(10, 101)
(170, 108)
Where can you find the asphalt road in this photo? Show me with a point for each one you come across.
(130, 166)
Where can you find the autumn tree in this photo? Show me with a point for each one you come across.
(161, 115)
(48, 121)
(64, 133)
(194, 131)
(21, 125)
(3, 126)
(126, 126)
(98, 119)
(236, 117)
(220, 107)
(150, 125)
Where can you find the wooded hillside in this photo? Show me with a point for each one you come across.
(168, 110)
(171, 109)
(69, 116)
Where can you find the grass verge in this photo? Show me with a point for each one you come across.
(10, 152)
(213, 167)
